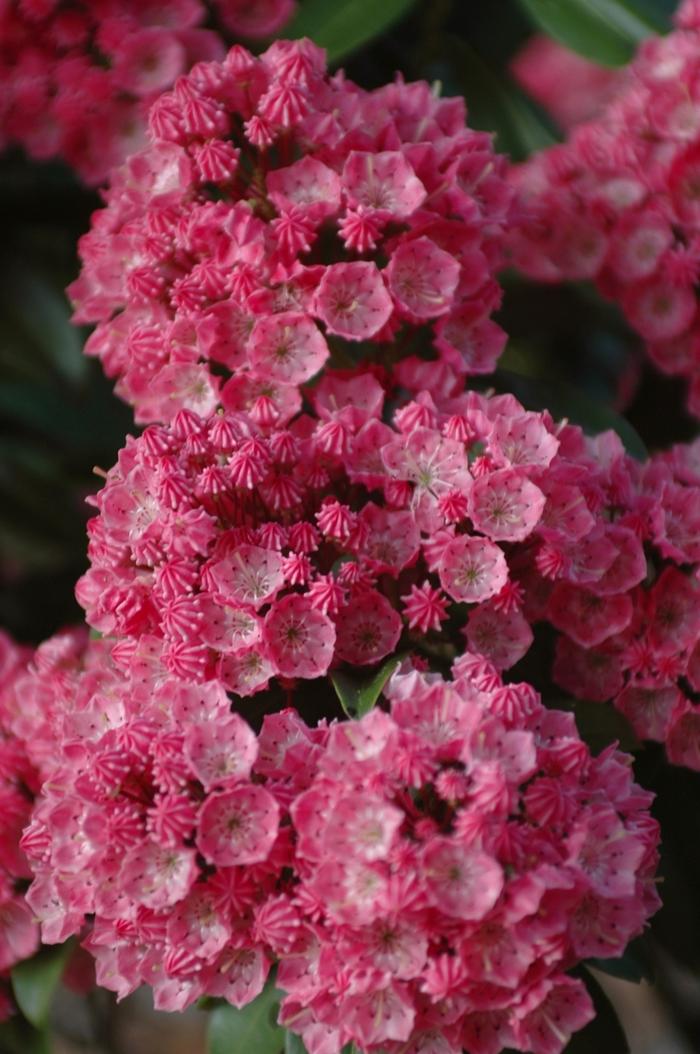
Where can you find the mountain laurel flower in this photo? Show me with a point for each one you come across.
(217, 246)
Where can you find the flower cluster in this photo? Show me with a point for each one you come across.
(291, 284)
(254, 552)
(618, 202)
(281, 216)
(455, 858)
(76, 79)
(424, 877)
(19, 933)
(154, 820)
(629, 617)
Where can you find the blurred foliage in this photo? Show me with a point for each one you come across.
(569, 351)
(58, 417)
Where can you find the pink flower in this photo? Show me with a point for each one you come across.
(554, 1010)
(251, 577)
(472, 569)
(300, 638)
(367, 630)
(505, 505)
(221, 753)
(573, 89)
(384, 181)
(352, 300)
(78, 81)
(465, 882)
(238, 826)
(422, 278)
(158, 877)
(288, 347)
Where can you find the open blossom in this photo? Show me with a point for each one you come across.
(617, 202)
(385, 866)
(279, 216)
(77, 79)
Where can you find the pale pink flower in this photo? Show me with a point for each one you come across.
(352, 300)
(300, 638)
(238, 826)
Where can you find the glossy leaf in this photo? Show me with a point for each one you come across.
(495, 104)
(634, 965)
(41, 317)
(358, 695)
(17, 1036)
(34, 982)
(343, 26)
(605, 31)
(253, 1028)
(599, 724)
(293, 1044)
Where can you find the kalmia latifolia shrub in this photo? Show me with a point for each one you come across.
(76, 79)
(422, 878)
(292, 284)
(618, 202)
(282, 218)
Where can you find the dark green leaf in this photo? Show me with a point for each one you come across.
(564, 400)
(342, 26)
(605, 31)
(634, 965)
(494, 104)
(34, 982)
(599, 724)
(71, 422)
(41, 315)
(293, 1044)
(17, 1036)
(604, 1035)
(358, 695)
(254, 1028)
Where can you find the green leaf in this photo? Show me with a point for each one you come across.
(17, 1036)
(358, 695)
(599, 724)
(633, 965)
(342, 26)
(254, 1028)
(41, 316)
(605, 31)
(604, 1035)
(34, 982)
(293, 1044)
(495, 104)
